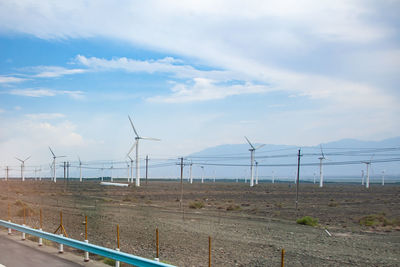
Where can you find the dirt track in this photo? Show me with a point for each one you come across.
(249, 227)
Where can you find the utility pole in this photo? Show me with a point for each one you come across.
(190, 173)
(147, 167)
(181, 204)
(298, 179)
(65, 165)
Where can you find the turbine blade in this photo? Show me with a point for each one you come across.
(130, 150)
(150, 138)
(61, 156)
(19, 159)
(129, 157)
(249, 142)
(260, 146)
(52, 152)
(133, 127)
(27, 158)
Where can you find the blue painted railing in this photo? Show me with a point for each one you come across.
(94, 249)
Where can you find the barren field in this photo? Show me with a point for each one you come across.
(248, 226)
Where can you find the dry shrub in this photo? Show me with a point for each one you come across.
(196, 205)
(333, 204)
(307, 220)
(233, 207)
(28, 210)
(378, 220)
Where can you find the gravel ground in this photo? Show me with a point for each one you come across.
(248, 226)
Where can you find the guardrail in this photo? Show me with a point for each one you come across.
(94, 249)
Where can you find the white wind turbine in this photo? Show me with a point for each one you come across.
(23, 167)
(256, 172)
(127, 169)
(80, 169)
(111, 171)
(321, 173)
(383, 177)
(131, 178)
(252, 152)
(136, 144)
(367, 163)
(54, 164)
(362, 177)
(190, 173)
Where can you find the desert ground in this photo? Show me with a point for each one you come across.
(248, 226)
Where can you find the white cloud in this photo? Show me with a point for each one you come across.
(205, 89)
(54, 71)
(45, 93)
(44, 116)
(10, 79)
(165, 65)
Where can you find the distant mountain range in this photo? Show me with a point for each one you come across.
(343, 160)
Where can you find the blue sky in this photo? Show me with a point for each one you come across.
(195, 74)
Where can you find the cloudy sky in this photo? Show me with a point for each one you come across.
(195, 74)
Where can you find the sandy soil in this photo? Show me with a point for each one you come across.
(248, 226)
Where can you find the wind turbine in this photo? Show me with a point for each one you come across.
(127, 170)
(23, 167)
(80, 169)
(131, 179)
(367, 163)
(362, 177)
(383, 177)
(40, 172)
(202, 174)
(190, 173)
(321, 173)
(256, 172)
(136, 144)
(54, 164)
(252, 152)
(111, 171)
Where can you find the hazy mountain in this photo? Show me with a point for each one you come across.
(219, 161)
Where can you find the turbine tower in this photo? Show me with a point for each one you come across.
(54, 164)
(362, 177)
(252, 152)
(367, 163)
(131, 179)
(190, 173)
(111, 171)
(127, 170)
(136, 144)
(383, 177)
(23, 167)
(321, 173)
(80, 169)
(256, 172)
